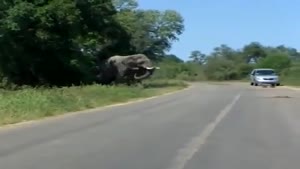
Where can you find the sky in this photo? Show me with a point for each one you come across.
(210, 23)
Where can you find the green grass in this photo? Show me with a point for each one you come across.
(291, 81)
(292, 76)
(31, 104)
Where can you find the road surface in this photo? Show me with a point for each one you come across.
(208, 126)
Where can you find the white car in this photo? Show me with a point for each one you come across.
(264, 76)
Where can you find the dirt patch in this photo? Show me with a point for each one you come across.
(278, 97)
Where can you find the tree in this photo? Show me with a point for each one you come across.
(197, 57)
(43, 40)
(152, 31)
(125, 5)
(224, 51)
(278, 62)
(173, 58)
(291, 52)
(225, 63)
(219, 68)
(254, 50)
(65, 42)
(162, 28)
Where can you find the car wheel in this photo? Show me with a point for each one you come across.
(255, 84)
(251, 83)
(273, 85)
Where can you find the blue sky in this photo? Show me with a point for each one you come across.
(209, 23)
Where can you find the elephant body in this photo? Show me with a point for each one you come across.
(126, 69)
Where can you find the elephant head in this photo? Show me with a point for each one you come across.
(139, 65)
(129, 68)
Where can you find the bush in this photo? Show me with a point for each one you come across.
(278, 61)
(221, 69)
(244, 69)
(171, 69)
(291, 75)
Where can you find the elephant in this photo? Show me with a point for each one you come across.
(126, 69)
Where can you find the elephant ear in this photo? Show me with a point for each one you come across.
(129, 62)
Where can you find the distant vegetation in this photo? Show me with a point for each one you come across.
(225, 63)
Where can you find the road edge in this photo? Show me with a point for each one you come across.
(92, 110)
(291, 88)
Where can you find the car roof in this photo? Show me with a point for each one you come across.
(263, 69)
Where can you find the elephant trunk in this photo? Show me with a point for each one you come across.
(145, 75)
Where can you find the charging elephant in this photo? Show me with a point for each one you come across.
(127, 69)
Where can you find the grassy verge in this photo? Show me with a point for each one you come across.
(31, 104)
(291, 82)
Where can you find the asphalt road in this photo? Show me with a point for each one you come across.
(208, 126)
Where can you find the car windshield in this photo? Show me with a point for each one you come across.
(265, 72)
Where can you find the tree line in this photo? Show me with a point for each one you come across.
(226, 63)
(62, 42)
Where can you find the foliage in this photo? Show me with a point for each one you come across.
(291, 75)
(152, 30)
(174, 69)
(225, 63)
(198, 57)
(276, 61)
(61, 42)
(254, 50)
(221, 69)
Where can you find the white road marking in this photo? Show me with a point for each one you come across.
(189, 150)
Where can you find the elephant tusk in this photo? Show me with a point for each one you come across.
(149, 68)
